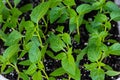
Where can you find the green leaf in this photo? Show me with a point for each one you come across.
(71, 12)
(112, 41)
(91, 66)
(43, 51)
(107, 67)
(97, 74)
(1, 6)
(40, 65)
(54, 3)
(79, 20)
(3, 66)
(5, 12)
(66, 38)
(94, 51)
(30, 29)
(58, 72)
(2, 59)
(81, 55)
(88, 1)
(1, 18)
(60, 29)
(50, 53)
(111, 6)
(69, 2)
(13, 38)
(75, 22)
(32, 68)
(68, 64)
(77, 38)
(115, 49)
(56, 44)
(3, 36)
(100, 18)
(14, 59)
(63, 17)
(55, 13)
(26, 8)
(23, 76)
(37, 76)
(35, 40)
(25, 63)
(60, 56)
(34, 53)
(29, 26)
(112, 73)
(72, 24)
(108, 25)
(98, 4)
(84, 8)
(77, 76)
(8, 70)
(11, 51)
(103, 34)
(90, 28)
(16, 2)
(16, 12)
(115, 15)
(39, 11)
(52, 78)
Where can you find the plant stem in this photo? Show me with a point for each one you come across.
(78, 31)
(43, 1)
(15, 67)
(46, 25)
(69, 77)
(37, 32)
(45, 74)
(9, 4)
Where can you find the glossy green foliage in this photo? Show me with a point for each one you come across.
(63, 31)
